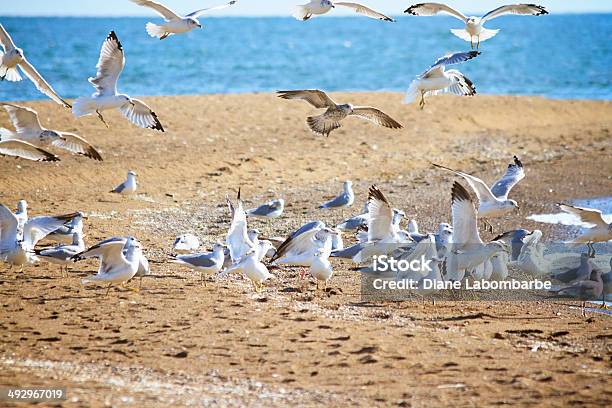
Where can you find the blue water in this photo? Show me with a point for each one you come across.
(559, 56)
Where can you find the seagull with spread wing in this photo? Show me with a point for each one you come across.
(318, 7)
(474, 29)
(468, 251)
(13, 57)
(175, 23)
(325, 123)
(600, 230)
(28, 129)
(238, 241)
(438, 80)
(16, 247)
(110, 65)
(494, 202)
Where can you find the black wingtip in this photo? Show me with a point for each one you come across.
(459, 193)
(157, 125)
(410, 10)
(374, 193)
(113, 36)
(517, 162)
(238, 193)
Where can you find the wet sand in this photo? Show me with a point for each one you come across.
(179, 343)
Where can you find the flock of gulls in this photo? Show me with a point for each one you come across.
(456, 249)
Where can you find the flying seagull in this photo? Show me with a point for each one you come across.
(494, 202)
(600, 231)
(28, 129)
(324, 124)
(474, 25)
(24, 150)
(129, 186)
(110, 65)
(13, 57)
(174, 23)
(437, 80)
(318, 7)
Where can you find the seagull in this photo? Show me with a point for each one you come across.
(64, 234)
(25, 150)
(474, 25)
(600, 231)
(355, 222)
(413, 231)
(16, 247)
(325, 123)
(320, 267)
(494, 202)
(110, 65)
(101, 251)
(515, 239)
(383, 232)
(271, 209)
(531, 259)
(318, 7)
(119, 261)
(342, 200)
(582, 272)
(28, 129)
(589, 289)
(252, 268)
(129, 186)
(62, 254)
(467, 251)
(22, 216)
(175, 23)
(186, 243)
(207, 263)
(499, 264)
(436, 79)
(398, 215)
(238, 240)
(13, 57)
(300, 249)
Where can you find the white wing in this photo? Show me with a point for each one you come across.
(482, 191)
(8, 228)
(137, 112)
(518, 9)
(430, 9)
(380, 221)
(299, 244)
(23, 119)
(463, 85)
(6, 40)
(109, 251)
(366, 11)
(465, 225)
(42, 85)
(237, 239)
(25, 150)
(513, 175)
(76, 144)
(37, 228)
(198, 13)
(109, 67)
(162, 10)
(588, 215)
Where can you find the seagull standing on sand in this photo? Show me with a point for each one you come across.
(174, 23)
(62, 254)
(12, 57)
(493, 202)
(467, 250)
(119, 261)
(318, 7)
(474, 30)
(600, 231)
(186, 243)
(28, 129)
(129, 186)
(436, 79)
(17, 247)
(355, 222)
(325, 123)
(109, 67)
(344, 199)
(320, 267)
(589, 289)
(208, 263)
(271, 209)
(252, 268)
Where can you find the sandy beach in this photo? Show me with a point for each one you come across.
(180, 343)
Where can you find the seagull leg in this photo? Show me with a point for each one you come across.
(101, 118)
(140, 283)
(108, 289)
(471, 43)
(478, 44)
(583, 309)
(164, 36)
(422, 101)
